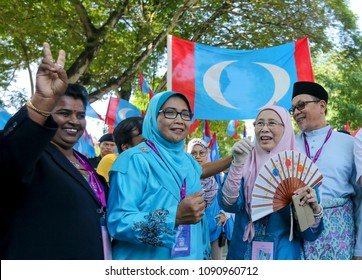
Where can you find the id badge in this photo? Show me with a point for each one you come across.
(107, 247)
(182, 246)
(262, 250)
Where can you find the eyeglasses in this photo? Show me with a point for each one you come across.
(200, 154)
(300, 106)
(270, 124)
(172, 114)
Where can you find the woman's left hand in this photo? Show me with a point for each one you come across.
(222, 220)
(309, 197)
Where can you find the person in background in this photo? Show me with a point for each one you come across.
(156, 204)
(332, 152)
(357, 150)
(274, 236)
(55, 205)
(216, 217)
(107, 146)
(127, 134)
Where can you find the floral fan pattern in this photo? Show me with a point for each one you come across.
(280, 176)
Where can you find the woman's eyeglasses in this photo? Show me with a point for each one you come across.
(172, 114)
(300, 106)
(270, 124)
(200, 154)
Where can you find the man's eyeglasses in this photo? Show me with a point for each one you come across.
(270, 124)
(300, 106)
(172, 114)
(200, 154)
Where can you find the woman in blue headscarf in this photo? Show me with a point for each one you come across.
(156, 205)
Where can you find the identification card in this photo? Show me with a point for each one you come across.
(107, 247)
(183, 238)
(262, 250)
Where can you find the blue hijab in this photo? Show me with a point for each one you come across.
(178, 162)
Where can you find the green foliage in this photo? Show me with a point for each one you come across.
(109, 41)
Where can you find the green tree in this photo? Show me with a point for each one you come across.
(109, 41)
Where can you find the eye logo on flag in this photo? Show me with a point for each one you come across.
(90, 112)
(236, 83)
(118, 110)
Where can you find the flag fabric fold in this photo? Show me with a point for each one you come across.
(4, 117)
(206, 135)
(193, 126)
(118, 110)
(236, 83)
(347, 128)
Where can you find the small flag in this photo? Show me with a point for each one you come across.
(244, 131)
(206, 135)
(118, 110)
(231, 129)
(85, 145)
(4, 117)
(90, 112)
(193, 126)
(214, 154)
(145, 88)
(347, 127)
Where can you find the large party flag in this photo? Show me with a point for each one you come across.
(4, 117)
(206, 135)
(85, 145)
(90, 112)
(229, 84)
(145, 88)
(231, 129)
(118, 110)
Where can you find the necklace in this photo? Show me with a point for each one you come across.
(76, 165)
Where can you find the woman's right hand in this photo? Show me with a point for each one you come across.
(191, 209)
(241, 150)
(51, 78)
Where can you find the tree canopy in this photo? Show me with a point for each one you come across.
(108, 41)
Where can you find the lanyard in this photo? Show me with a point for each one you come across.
(320, 149)
(153, 147)
(93, 181)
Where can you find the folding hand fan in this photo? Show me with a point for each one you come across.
(280, 176)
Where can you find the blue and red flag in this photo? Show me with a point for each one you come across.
(231, 129)
(145, 88)
(236, 83)
(4, 117)
(244, 131)
(85, 145)
(118, 110)
(90, 112)
(206, 135)
(214, 154)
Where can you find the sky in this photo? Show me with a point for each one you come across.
(96, 128)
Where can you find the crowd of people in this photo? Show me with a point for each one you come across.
(149, 195)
